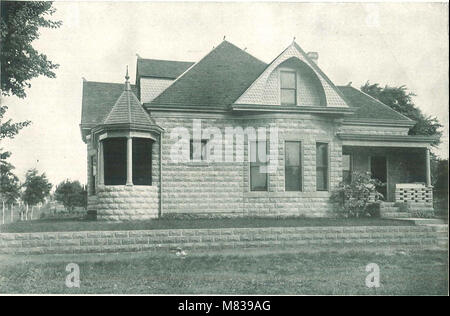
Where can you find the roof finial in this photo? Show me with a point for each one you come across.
(224, 37)
(127, 82)
(293, 40)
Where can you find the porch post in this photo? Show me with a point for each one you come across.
(129, 160)
(428, 171)
(100, 163)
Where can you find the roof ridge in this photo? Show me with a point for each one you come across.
(189, 68)
(175, 61)
(105, 82)
(244, 51)
(131, 102)
(222, 43)
(129, 106)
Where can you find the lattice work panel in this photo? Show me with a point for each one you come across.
(413, 194)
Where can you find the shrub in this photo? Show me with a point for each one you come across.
(71, 194)
(355, 199)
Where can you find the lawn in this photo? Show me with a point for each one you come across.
(408, 272)
(67, 224)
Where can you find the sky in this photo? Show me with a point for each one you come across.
(387, 43)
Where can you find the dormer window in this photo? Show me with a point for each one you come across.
(288, 84)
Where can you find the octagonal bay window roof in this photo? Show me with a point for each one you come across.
(124, 142)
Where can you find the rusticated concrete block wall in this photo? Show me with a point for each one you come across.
(126, 203)
(224, 187)
(148, 240)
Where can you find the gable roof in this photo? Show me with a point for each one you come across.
(369, 108)
(255, 93)
(218, 79)
(128, 110)
(156, 68)
(98, 99)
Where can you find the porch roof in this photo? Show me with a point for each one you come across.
(363, 140)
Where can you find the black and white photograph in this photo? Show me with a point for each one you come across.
(224, 154)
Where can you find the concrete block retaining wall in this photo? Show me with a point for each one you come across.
(147, 240)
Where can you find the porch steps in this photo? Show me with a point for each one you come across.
(392, 210)
(425, 221)
(399, 215)
(389, 210)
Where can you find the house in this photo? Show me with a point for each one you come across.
(161, 146)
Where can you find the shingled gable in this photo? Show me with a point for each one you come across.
(254, 94)
(217, 80)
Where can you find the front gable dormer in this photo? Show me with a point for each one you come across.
(293, 79)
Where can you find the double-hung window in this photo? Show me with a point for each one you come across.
(288, 84)
(258, 166)
(322, 166)
(292, 168)
(202, 155)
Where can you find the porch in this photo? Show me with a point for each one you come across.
(401, 163)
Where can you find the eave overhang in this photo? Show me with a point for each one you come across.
(292, 109)
(185, 108)
(127, 127)
(375, 122)
(363, 140)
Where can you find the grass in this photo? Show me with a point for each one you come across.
(65, 224)
(420, 272)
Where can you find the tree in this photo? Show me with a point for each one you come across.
(401, 100)
(70, 194)
(9, 184)
(19, 63)
(37, 187)
(8, 129)
(19, 27)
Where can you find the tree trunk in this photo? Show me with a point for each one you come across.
(3, 212)
(12, 213)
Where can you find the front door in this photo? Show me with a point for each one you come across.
(378, 169)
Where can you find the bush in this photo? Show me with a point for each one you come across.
(355, 199)
(71, 194)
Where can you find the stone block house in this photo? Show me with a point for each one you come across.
(322, 133)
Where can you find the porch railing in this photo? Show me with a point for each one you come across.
(413, 193)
